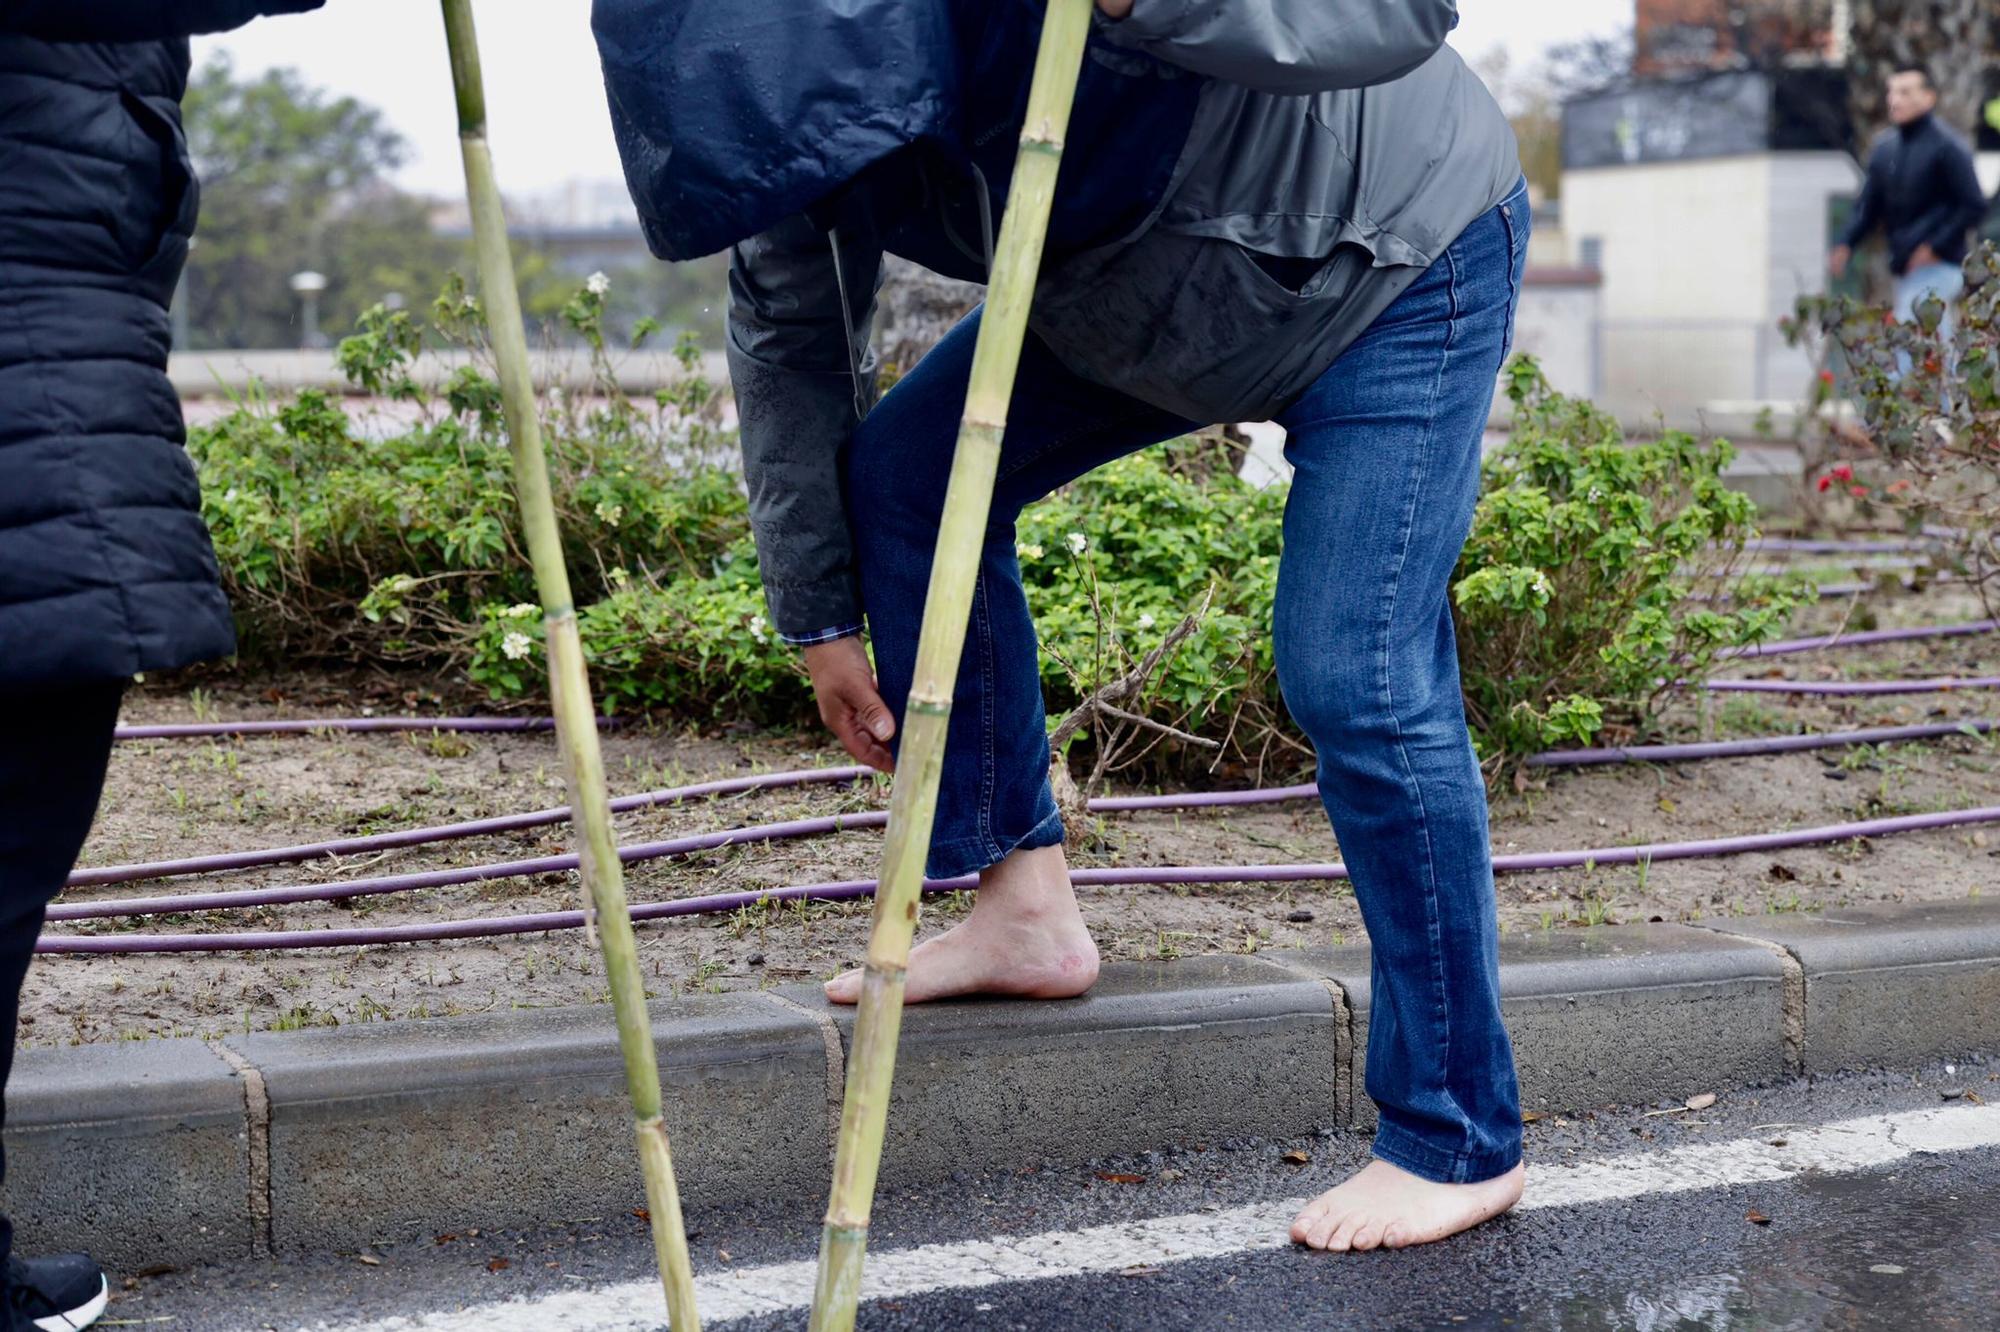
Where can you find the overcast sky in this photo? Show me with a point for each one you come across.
(545, 97)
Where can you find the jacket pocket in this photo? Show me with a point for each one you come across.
(160, 212)
(1192, 324)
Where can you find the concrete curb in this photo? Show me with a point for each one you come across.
(172, 1151)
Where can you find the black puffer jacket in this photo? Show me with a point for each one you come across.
(105, 568)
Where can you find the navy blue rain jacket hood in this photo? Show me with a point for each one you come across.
(732, 117)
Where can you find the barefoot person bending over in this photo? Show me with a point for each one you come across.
(1300, 210)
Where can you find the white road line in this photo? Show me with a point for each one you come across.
(637, 1306)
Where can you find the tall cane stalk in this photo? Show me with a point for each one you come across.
(576, 727)
(947, 608)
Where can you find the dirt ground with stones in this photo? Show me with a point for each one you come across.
(171, 798)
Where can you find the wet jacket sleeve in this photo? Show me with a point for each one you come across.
(795, 403)
(1289, 46)
(135, 20)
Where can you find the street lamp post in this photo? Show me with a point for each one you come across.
(307, 286)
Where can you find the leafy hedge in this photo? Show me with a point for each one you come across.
(397, 546)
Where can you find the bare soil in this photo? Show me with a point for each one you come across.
(173, 798)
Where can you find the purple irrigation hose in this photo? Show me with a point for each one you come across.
(1771, 744)
(1819, 547)
(802, 828)
(285, 894)
(445, 832)
(1829, 689)
(1787, 646)
(859, 888)
(310, 725)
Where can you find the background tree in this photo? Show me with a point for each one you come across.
(295, 178)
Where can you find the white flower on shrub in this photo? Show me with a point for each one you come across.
(555, 398)
(609, 513)
(1543, 587)
(758, 625)
(1078, 543)
(1029, 550)
(1146, 621)
(597, 284)
(516, 645)
(523, 611)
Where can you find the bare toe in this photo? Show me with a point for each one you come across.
(1342, 1238)
(1367, 1235)
(845, 988)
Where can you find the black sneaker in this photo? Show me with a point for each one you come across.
(60, 1293)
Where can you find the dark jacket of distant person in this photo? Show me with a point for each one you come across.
(1921, 190)
(105, 567)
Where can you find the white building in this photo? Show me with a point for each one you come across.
(1708, 209)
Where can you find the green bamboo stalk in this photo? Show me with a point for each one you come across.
(569, 685)
(947, 608)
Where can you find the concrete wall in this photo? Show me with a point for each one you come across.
(1558, 322)
(1700, 260)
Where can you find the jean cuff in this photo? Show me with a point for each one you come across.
(969, 855)
(1400, 1147)
(822, 635)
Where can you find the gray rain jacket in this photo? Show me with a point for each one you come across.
(1342, 131)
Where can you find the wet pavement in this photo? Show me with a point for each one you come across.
(1882, 1233)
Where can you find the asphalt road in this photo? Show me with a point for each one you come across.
(1882, 1206)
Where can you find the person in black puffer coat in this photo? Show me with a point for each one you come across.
(105, 567)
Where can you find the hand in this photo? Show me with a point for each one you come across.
(1923, 257)
(1115, 8)
(1837, 262)
(849, 701)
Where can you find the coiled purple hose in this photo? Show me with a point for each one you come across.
(858, 888)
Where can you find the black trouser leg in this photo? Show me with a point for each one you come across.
(54, 746)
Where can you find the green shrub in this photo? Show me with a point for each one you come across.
(338, 544)
(1573, 596)
(398, 546)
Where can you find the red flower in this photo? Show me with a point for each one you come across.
(1858, 490)
(1844, 472)
(1824, 482)
(1826, 378)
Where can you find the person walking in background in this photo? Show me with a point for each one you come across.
(105, 567)
(1923, 193)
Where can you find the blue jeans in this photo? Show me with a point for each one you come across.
(1944, 281)
(1386, 452)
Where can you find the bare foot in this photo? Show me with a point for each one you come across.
(1024, 939)
(1388, 1207)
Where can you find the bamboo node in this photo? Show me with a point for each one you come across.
(930, 707)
